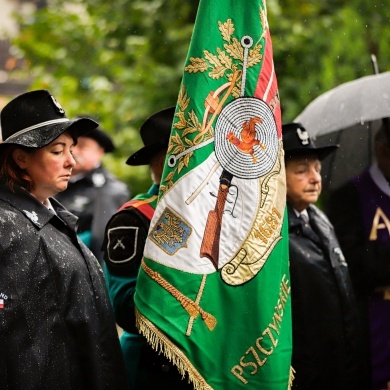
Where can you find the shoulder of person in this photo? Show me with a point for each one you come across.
(127, 217)
(320, 214)
(124, 241)
(112, 182)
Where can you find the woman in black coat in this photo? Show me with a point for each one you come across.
(57, 329)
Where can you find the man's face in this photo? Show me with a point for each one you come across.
(88, 155)
(303, 178)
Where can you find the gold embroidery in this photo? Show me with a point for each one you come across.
(160, 342)
(376, 225)
(191, 307)
(268, 337)
(265, 231)
(291, 379)
(197, 300)
(188, 131)
(171, 232)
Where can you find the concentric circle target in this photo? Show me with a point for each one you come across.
(245, 139)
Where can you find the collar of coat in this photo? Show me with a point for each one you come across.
(34, 210)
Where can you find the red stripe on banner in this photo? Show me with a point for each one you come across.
(267, 85)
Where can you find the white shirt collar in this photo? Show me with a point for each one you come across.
(50, 207)
(303, 212)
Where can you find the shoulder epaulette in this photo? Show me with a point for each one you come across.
(144, 206)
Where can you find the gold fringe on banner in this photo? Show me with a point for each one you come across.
(291, 379)
(162, 344)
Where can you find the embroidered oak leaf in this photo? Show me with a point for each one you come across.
(186, 159)
(183, 100)
(235, 49)
(217, 73)
(181, 164)
(170, 175)
(181, 123)
(254, 55)
(212, 58)
(176, 145)
(226, 29)
(224, 58)
(194, 120)
(197, 65)
(189, 130)
(188, 142)
(236, 91)
(165, 188)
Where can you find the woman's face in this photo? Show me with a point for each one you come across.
(48, 168)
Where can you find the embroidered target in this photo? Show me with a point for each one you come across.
(245, 139)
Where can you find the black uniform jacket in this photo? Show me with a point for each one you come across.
(57, 329)
(94, 198)
(324, 315)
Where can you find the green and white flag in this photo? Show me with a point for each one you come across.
(213, 293)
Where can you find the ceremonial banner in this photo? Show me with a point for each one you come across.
(213, 293)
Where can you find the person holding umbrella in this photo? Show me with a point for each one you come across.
(326, 336)
(360, 212)
(57, 330)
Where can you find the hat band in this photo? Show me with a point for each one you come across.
(27, 129)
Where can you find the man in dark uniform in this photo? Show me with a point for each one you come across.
(326, 335)
(360, 212)
(93, 193)
(124, 242)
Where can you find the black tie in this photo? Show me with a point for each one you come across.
(307, 229)
(305, 218)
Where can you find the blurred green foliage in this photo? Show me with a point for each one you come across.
(120, 61)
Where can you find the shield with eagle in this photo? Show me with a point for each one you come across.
(213, 293)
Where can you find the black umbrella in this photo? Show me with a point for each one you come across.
(348, 115)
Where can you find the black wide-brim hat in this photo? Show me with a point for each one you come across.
(100, 136)
(155, 133)
(297, 143)
(34, 119)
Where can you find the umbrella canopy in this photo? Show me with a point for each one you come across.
(358, 101)
(349, 115)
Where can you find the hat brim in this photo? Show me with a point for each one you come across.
(144, 155)
(321, 152)
(42, 136)
(102, 139)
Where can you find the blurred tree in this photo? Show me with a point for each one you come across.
(321, 44)
(122, 60)
(118, 61)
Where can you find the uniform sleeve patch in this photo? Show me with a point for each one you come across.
(122, 244)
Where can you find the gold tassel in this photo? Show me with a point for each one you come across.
(188, 304)
(209, 320)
